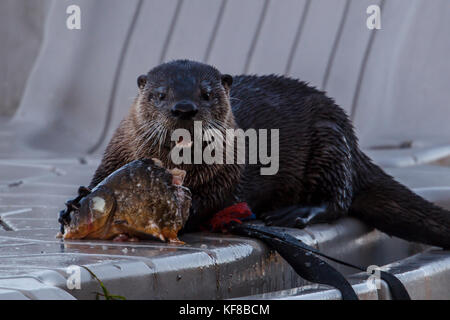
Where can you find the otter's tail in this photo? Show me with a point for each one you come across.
(392, 208)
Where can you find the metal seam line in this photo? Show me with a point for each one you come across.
(214, 31)
(171, 30)
(113, 94)
(335, 45)
(362, 69)
(256, 36)
(297, 37)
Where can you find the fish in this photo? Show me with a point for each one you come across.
(141, 200)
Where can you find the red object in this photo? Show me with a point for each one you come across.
(237, 213)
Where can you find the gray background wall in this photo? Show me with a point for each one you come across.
(21, 34)
(393, 82)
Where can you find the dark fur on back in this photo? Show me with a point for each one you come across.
(320, 162)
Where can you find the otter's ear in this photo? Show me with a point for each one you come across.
(227, 81)
(141, 81)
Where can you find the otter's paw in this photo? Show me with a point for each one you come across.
(297, 216)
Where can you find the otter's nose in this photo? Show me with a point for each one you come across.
(184, 110)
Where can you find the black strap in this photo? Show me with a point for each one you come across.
(298, 255)
(396, 287)
(307, 265)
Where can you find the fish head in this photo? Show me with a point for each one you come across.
(93, 217)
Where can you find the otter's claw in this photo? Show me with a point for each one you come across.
(298, 216)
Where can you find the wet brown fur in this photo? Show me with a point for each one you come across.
(320, 161)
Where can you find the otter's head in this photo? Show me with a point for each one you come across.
(176, 94)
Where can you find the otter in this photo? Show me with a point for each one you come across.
(323, 175)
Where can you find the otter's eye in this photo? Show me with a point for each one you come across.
(161, 96)
(206, 95)
(161, 93)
